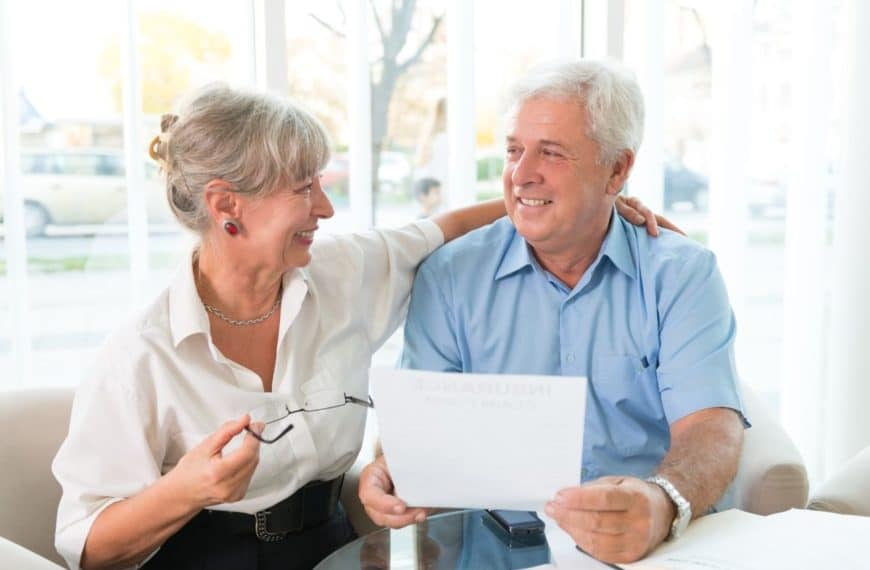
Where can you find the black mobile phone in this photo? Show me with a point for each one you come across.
(517, 523)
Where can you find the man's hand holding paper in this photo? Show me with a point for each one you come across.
(381, 505)
(615, 518)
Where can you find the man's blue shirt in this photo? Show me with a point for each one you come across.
(649, 325)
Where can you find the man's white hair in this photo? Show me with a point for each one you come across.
(609, 91)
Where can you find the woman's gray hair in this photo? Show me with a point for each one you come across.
(257, 142)
(610, 93)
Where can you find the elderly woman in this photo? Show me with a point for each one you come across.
(215, 428)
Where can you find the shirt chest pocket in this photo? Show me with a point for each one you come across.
(626, 397)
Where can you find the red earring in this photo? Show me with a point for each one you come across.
(231, 227)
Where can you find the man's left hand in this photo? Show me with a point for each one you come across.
(614, 519)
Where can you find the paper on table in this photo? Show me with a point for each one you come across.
(823, 540)
(794, 540)
(730, 540)
(479, 440)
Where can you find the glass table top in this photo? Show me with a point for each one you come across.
(460, 540)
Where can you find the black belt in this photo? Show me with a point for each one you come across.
(310, 506)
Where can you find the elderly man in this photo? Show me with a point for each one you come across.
(565, 287)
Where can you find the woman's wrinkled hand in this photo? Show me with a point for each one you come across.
(211, 477)
(633, 210)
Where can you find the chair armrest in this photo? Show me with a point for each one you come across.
(848, 491)
(771, 476)
(16, 556)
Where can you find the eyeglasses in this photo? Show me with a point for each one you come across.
(270, 418)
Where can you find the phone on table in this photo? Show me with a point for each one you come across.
(517, 523)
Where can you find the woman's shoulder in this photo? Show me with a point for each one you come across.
(416, 238)
(119, 358)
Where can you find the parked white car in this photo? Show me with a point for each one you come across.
(82, 186)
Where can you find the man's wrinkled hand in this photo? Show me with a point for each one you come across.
(614, 519)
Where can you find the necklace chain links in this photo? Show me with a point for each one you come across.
(246, 322)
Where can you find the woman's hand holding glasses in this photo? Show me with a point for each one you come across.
(208, 477)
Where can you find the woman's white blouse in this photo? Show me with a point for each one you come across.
(160, 386)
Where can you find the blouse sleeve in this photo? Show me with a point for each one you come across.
(109, 454)
(389, 260)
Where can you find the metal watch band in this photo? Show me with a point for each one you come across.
(684, 509)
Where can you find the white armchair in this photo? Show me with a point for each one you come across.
(33, 424)
(848, 490)
(771, 477)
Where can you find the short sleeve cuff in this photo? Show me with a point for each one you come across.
(432, 232)
(686, 395)
(70, 542)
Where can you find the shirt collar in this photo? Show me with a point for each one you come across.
(187, 316)
(516, 256)
(615, 247)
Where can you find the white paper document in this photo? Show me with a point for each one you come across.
(479, 440)
(793, 540)
(736, 540)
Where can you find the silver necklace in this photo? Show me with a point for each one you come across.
(243, 323)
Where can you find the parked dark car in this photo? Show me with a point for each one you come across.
(684, 185)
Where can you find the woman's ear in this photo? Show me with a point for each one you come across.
(221, 201)
(620, 170)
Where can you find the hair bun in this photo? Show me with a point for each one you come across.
(166, 121)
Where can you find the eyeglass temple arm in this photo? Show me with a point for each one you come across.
(269, 439)
(369, 403)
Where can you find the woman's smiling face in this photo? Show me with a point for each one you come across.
(280, 226)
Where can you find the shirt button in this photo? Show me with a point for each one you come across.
(570, 357)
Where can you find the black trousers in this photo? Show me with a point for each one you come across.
(203, 544)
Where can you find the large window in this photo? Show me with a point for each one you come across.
(719, 155)
(746, 114)
(73, 179)
(689, 52)
(317, 77)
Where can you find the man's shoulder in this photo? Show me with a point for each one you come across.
(478, 249)
(669, 251)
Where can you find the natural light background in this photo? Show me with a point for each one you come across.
(85, 269)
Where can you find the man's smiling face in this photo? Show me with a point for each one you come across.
(554, 182)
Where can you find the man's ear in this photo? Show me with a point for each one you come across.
(221, 201)
(620, 170)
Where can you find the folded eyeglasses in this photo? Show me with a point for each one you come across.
(270, 418)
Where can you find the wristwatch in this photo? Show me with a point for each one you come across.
(684, 509)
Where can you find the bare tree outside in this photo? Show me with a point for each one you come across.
(394, 26)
